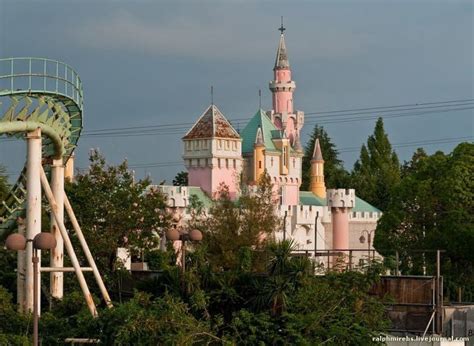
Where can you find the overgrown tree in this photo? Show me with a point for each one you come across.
(181, 179)
(114, 210)
(335, 175)
(236, 225)
(377, 171)
(432, 208)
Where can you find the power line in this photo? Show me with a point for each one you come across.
(180, 131)
(342, 150)
(354, 111)
(181, 128)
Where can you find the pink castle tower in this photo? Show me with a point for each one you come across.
(341, 201)
(213, 153)
(283, 115)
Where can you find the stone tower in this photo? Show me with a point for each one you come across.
(213, 153)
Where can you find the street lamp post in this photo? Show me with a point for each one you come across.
(42, 241)
(369, 240)
(174, 235)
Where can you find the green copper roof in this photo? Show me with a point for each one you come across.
(196, 191)
(249, 133)
(362, 205)
(309, 198)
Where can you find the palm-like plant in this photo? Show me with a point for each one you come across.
(284, 272)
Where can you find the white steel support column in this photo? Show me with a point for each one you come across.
(57, 254)
(33, 211)
(20, 272)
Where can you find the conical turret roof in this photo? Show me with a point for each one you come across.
(281, 60)
(317, 154)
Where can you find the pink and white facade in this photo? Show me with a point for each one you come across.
(216, 154)
(213, 153)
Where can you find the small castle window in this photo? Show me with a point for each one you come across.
(219, 144)
(235, 163)
(294, 163)
(218, 163)
(207, 162)
(259, 164)
(271, 161)
(199, 162)
(354, 214)
(226, 163)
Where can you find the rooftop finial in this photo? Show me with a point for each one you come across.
(282, 28)
(212, 95)
(259, 98)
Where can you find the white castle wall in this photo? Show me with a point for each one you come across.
(299, 223)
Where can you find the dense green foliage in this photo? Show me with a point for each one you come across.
(377, 171)
(114, 210)
(234, 227)
(284, 304)
(432, 208)
(335, 175)
(3, 183)
(181, 179)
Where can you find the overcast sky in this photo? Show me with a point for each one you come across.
(146, 63)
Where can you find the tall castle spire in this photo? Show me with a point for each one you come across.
(283, 115)
(281, 60)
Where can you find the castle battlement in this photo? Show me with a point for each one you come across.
(177, 196)
(341, 198)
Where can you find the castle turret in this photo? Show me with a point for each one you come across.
(283, 115)
(213, 153)
(341, 201)
(318, 186)
(259, 155)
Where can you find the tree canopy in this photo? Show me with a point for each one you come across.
(237, 225)
(181, 179)
(377, 171)
(115, 210)
(432, 208)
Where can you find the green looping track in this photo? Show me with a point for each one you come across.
(38, 93)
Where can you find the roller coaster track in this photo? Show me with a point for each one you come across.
(38, 93)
